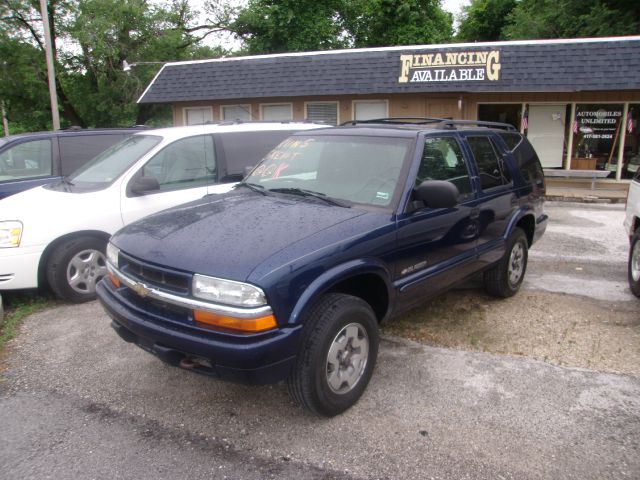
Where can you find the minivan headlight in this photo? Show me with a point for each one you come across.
(227, 292)
(10, 234)
(112, 254)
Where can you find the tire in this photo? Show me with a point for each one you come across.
(75, 267)
(634, 264)
(505, 278)
(321, 381)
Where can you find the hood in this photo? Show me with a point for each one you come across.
(228, 235)
(47, 214)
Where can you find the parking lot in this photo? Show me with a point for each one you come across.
(77, 402)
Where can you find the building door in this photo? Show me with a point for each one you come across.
(546, 133)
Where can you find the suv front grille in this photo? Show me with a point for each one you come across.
(162, 278)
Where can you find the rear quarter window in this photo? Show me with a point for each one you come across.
(246, 149)
(525, 156)
(77, 150)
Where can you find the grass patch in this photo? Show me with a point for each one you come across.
(19, 305)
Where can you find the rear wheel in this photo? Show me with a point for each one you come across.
(634, 264)
(505, 278)
(75, 267)
(337, 355)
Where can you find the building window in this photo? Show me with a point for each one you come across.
(631, 159)
(276, 112)
(236, 112)
(510, 113)
(597, 133)
(197, 115)
(370, 109)
(325, 112)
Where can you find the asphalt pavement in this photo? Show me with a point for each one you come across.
(78, 402)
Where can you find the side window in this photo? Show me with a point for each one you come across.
(442, 159)
(185, 163)
(77, 150)
(246, 149)
(491, 167)
(26, 160)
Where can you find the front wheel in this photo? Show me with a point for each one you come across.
(505, 278)
(337, 355)
(75, 267)
(634, 264)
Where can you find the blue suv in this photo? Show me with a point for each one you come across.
(288, 276)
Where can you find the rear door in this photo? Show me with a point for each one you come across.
(496, 199)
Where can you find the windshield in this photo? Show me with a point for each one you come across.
(114, 161)
(356, 169)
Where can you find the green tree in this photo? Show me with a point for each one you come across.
(573, 18)
(96, 37)
(274, 26)
(484, 20)
(379, 23)
(271, 26)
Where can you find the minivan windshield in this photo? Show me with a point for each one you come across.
(353, 169)
(114, 161)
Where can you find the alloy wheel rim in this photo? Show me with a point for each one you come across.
(347, 358)
(85, 270)
(516, 264)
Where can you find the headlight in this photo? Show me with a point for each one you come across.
(112, 254)
(227, 292)
(10, 234)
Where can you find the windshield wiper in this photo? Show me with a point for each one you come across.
(310, 193)
(252, 186)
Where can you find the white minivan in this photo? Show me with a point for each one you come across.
(57, 234)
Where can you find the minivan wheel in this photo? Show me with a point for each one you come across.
(634, 264)
(337, 355)
(75, 267)
(505, 278)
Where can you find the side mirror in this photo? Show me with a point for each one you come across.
(437, 194)
(142, 185)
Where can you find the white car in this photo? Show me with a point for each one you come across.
(632, 225)
(57, 234)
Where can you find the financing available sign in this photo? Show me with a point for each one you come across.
(474, 66)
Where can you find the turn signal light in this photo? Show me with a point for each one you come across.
(241, 325)
(115, 280)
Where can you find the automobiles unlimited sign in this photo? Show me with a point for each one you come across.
(450, 67)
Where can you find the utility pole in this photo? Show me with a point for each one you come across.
(51, 74)
(5, 124)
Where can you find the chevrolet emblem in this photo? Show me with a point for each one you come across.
(141, 289)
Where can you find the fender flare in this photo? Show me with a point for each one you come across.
(337, 274)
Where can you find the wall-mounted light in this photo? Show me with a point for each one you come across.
(126, 66)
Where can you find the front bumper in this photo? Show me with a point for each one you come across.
(259, 359)
(19, 267)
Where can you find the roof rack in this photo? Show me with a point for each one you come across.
(446, 122)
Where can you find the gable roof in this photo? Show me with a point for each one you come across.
(524, 66)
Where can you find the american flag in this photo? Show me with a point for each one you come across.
(525, 119)
(630, 121)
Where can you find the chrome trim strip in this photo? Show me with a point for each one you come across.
(146, 291)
